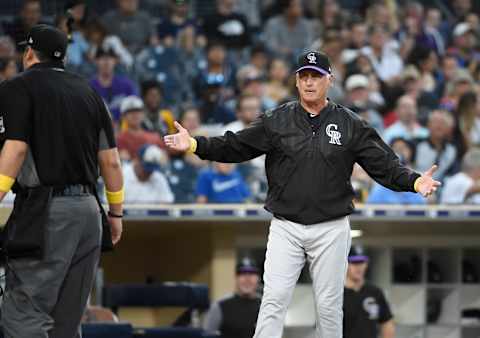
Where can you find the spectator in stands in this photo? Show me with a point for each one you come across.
(78, 46)
(7, 48)
(216, 66)
(461, 83)
(183, 169)
(111, 87)
(8, 68)
(290, 32)
(177, 20)
(464, 187)
(228, 26)
(248, 109)
(407, 126)
(133, 136)
(383, 14)
(29, 16)
(467, 133)
(464, 45)
(251, 82)
(437, 149)
(143, 180)
(259, 58)
(384, 57)
(358, 96)
(221, 184)
(449, 67)
(358, 40)
(426, 61)
(235, 315)
(433, 21)
(276, 88)
(381, 195)
(133, 26)
(212, 107)
(158, 117)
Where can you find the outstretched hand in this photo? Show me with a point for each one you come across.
(426, 185)
(179, 141)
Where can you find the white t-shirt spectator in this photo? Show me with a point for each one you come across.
(155, 190)
(389, 65)
(456, 188)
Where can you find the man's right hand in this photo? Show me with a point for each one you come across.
(179, 141)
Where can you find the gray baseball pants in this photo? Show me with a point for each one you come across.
(325, 246)
(46, 298)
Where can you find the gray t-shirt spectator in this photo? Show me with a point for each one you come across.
(426, 156)
(279, 36)
(134, 30)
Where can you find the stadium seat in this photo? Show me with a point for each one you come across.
(107, 330)
(172, 332)
(157, 295)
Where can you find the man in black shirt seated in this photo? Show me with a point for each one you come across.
(366, 313)
(235, 316)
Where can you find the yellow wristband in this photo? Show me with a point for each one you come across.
(193, 145)
(6, 183)
(116, 197)
(415, 185)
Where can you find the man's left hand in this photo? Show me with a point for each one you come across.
(425, 184)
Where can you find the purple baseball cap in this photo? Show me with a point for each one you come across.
(357, 255)
(314, 60)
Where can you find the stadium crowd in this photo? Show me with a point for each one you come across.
(410, 68)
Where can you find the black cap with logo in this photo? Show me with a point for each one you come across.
(357, 255)
(47, 39)
(316, 61)
(246, 265)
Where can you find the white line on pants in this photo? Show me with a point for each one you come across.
(325, 245)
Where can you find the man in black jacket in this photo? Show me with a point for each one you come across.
(311, 147)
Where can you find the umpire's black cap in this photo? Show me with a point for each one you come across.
(357, 255)
(47, 39)
(246, 265)
(317, 61)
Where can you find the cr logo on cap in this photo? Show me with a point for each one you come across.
(312, 58)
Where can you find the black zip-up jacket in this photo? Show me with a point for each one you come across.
(308, 170)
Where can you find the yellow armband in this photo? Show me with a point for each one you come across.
(6, 183)
(193, 145)
(415, 185)
(116, 197)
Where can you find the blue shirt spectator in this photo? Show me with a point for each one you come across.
(221, 184)
(381, 195)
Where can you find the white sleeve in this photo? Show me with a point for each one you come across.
(455, 190)
(163, 188)
(213, 319)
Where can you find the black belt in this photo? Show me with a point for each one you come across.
(72, 190)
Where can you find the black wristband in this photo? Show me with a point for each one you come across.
(111, 214)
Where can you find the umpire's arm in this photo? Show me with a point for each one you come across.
(111, 172)
(15, 128)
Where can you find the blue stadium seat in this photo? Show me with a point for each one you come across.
(157, 295)
(172, 332)
(107, 330)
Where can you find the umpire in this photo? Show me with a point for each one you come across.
(57, 134)
(311, 147)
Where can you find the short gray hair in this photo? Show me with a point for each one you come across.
(471, 160)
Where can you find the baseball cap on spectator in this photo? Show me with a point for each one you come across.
(48, 40)
(131, 103)
(462, 28)
(357, 255)
(410, 73)
(105, 52)
(463, 76)
(246, 265)
(356, 81)
(314, 60)
(151, 157)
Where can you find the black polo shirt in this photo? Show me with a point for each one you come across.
(62, 119)
(363, 311)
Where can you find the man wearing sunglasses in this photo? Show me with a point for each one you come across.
(311, 147)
